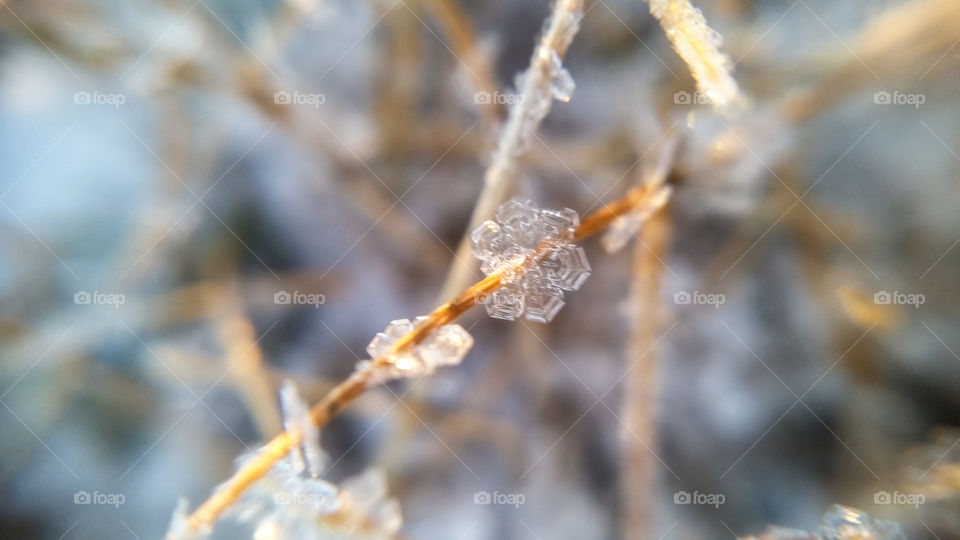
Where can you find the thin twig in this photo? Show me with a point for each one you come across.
(640, 407)
(340, 396)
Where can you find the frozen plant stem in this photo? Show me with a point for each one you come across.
(536, 87)
(640, 404)
(698, 45)
(206, 514)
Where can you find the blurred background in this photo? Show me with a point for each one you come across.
(202, 199)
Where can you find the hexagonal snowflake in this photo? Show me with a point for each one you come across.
(503, 244)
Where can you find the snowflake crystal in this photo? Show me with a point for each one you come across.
(446, 346)
(501, 245)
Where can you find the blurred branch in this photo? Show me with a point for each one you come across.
(640, 407)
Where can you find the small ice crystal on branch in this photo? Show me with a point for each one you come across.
(296, 417)
(699, 46)
(365, 502)
(446, 346)
(625, 227)
(291, 501)
(846, 523)
(840, 523)
(180, 525)
(503, 245)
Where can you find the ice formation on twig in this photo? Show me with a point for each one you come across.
(699, 46)
(292, 501)
(840, 523)
(446, 346)
(503, 245)
(296, 417)
(653, 175)
(180, 524)
(625, 227)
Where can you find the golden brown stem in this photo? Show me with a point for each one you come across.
(640, 407)
(348, 390)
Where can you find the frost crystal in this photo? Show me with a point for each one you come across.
(699, 46)
(296, 416)
(365, 497)
(840, 523)
(180, 525)
(286, 504)
(626, 226)
(446, 346)
(291, 501)
(845, 523)
(504, 244)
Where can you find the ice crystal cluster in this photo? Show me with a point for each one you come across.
(841, 523)
(538, 89)
(505, 244)
(545, 80)
(446, 346)
(291, 501)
